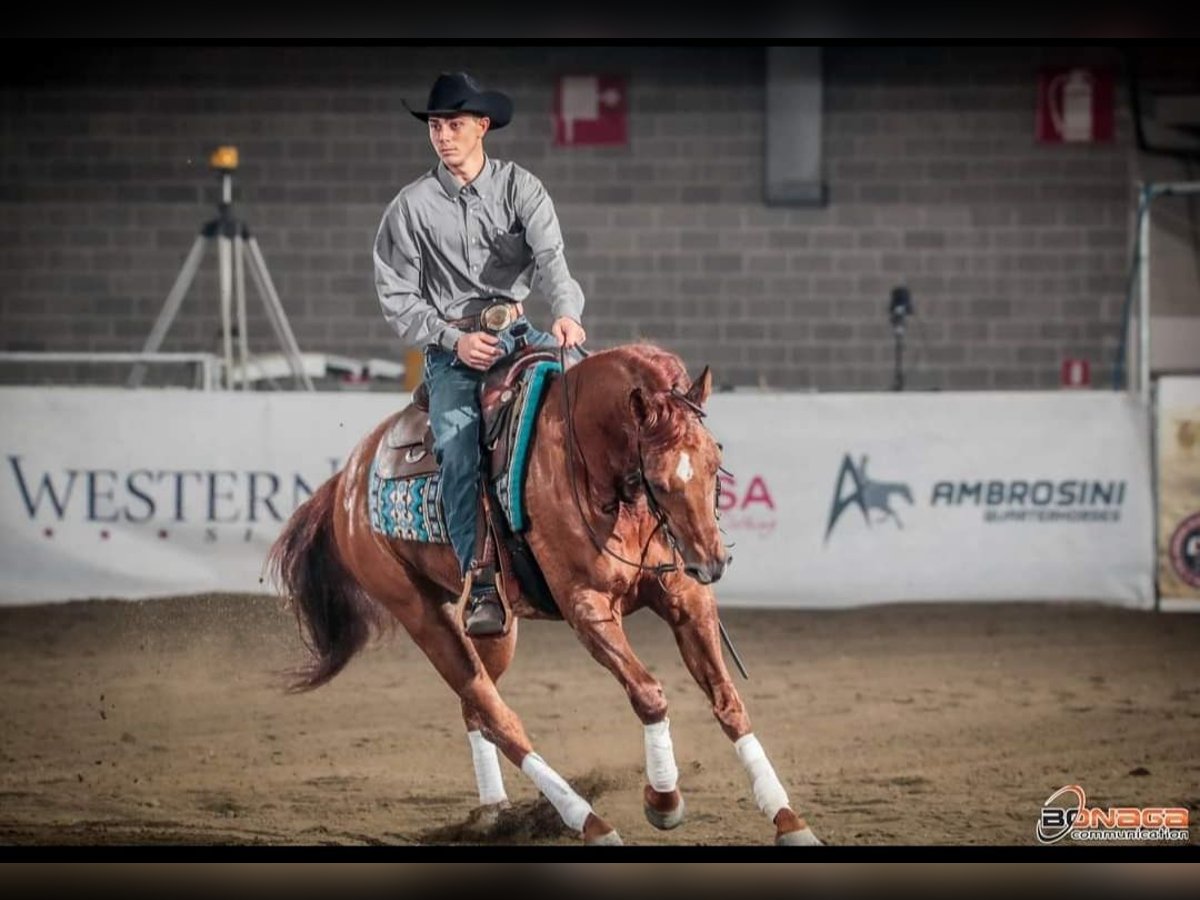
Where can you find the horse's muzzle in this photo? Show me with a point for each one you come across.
(708, 573)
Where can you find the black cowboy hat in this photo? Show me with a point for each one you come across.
(458, 92)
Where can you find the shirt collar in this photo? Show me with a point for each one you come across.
(451, 186)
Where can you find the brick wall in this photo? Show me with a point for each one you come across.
(1015, 253)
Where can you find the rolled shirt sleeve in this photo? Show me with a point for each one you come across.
(552, 278)
(398, 283)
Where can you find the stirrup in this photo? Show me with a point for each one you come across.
(485, 613)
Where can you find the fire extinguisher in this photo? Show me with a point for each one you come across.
(1071, 105)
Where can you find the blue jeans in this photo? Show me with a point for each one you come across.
(454, 417)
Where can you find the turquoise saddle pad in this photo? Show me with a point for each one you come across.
(410, 509)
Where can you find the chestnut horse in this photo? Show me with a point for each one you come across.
(611, 502)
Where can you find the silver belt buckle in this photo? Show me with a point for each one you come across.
(498, 316)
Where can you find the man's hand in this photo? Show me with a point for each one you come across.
(478, 349)
(568, 332)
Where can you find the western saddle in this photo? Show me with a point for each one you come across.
(407, 450)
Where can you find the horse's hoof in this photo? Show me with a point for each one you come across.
(793, 831)
(598, 833)
(663, 811)
(484, 818)
(802, 838)
(608, 839)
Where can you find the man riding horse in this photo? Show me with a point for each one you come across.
(456, 252)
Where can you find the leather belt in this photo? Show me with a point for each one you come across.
(493, 318)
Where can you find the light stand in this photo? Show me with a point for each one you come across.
(233, 238)
(899, 309)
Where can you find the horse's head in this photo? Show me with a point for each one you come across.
(679, 459)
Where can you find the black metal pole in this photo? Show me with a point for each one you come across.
(728, 643)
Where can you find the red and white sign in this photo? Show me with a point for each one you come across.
(591, 110)
(1075, 105)
(1076, 373)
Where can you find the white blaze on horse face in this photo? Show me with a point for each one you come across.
(684, 469)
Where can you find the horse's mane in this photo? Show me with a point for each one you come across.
(656, 371)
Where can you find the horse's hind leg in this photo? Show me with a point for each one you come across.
(432, 623)
(438, 633)
(596, 624)
(496, 654)
(692, 615)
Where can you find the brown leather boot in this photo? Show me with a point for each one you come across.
(485, 612)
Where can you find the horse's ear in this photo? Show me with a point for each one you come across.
(639, 404)
(701, 388)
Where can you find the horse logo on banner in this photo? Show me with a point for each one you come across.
(864, 493)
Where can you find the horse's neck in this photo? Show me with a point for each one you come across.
(600, 415)
(596, 463)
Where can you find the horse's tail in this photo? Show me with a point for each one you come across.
(335, 615)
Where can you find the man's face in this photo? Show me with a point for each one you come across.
(456, 138)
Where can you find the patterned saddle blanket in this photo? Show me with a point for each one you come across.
(409, 507)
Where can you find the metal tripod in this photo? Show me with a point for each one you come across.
(233, 237)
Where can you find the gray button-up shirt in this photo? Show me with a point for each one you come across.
(441, 246)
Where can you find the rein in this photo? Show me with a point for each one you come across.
(652, 502)
(572, 442)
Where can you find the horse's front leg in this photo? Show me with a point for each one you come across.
(597, 622)
(691, 612)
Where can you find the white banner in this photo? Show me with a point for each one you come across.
(836, 500)
(115, 493)
(847, 499)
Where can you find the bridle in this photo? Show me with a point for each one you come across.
(652, 501)
(656, 508)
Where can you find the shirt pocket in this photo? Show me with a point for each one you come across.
(508, 246)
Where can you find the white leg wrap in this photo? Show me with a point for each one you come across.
(661, 771)
(487, 769)
(573, 808)
(768, 792)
